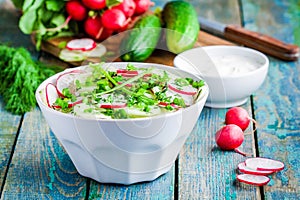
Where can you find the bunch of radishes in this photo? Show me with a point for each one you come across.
(101, 18)
(231, 136)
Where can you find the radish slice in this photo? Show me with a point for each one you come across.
(244, 169)
(83, 44)
(264, 164)
(72, 55)
(65, 79)
(112, 106)
(164, 104)
(51, 94)
(185, 90)
(97, 52)
(253, 179)
(127, 73)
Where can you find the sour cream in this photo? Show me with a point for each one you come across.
(230, 65)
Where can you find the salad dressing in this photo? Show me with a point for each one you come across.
(230, 65)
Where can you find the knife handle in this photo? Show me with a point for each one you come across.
(262, 43)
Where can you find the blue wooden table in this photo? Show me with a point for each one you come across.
(33, 165)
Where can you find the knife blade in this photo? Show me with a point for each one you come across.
(255, 40)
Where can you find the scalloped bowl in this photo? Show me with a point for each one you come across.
(232, 73)
(123, 151)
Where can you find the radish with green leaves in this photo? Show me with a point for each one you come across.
(114, 19)
(76, 10)
(127, 6)
(95, 4)
(95, 29)
(142, 6)
(238, 116)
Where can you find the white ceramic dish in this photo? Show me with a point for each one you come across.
(123, 151)
(232, 73)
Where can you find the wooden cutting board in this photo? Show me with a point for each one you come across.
(112, 45)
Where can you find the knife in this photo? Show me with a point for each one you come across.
(255, 40)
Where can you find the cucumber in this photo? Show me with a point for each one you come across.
(140, 42)
(182, 26)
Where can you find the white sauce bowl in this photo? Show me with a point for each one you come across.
(232, 73)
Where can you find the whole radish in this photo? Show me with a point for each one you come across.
(238, 116)
(127, 6)
(229, 137)
(113, 19)
(142, 6)
(76, 10)
(94, 4)
(94, 28)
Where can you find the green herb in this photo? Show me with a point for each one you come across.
(181, 82)
(20, 76)
(45, 19)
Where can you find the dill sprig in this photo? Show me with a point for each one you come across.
(20, 76)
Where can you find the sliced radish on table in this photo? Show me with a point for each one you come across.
(264, 164)
(113, 105)
(51, 94)
(65, 79)
(244, 169)
(253, 179)
(186, 90)
(83, 44)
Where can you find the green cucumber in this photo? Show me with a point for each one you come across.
(182, 26)
(140, 42)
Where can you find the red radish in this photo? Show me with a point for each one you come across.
(83, 44)
(142, 6)
(113, 105)
(65, 79)
(186, 91)
(94, 28)
(127, 6)
(94, 4)
(253, 179)
(164, 104)
(51, 94)
(264, 164)
(76, 10)
(244, 169)
(127, 73)
(238, 116)
(229, 137)
(113, 19)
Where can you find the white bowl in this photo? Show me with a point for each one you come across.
(232, 73)
(123, 151)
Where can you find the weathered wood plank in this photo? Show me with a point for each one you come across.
(206, 172)
(162, 188)
(276, 104)
(40, 168)
(8, 129)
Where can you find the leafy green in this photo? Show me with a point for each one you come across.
(45, 19)
(20, 76)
